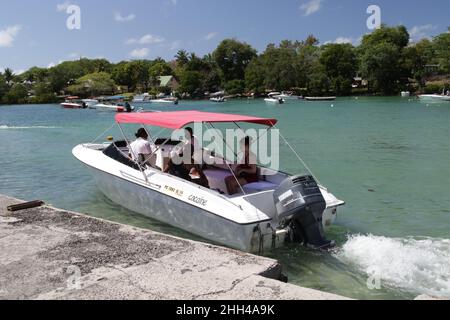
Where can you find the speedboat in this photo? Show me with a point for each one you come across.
(218, 99)
(143, 98)
(273, 100)
(90, 102)
(74, 102)
(287, 96)
(114, 104)
(113, 107)
(167, 100)
(276, 209)
(434, 97)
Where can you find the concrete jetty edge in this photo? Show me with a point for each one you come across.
(49, 253)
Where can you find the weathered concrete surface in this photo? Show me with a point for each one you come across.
(47, 253)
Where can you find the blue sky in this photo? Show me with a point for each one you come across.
(34, 32)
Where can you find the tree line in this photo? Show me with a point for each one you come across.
(385, 59)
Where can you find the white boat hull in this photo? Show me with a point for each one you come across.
(434, 98)
(169, 199)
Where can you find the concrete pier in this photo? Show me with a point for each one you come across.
(48, 253)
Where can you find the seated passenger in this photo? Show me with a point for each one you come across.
(192, 141)
(246, 173)
(187, 169)
(141, 149)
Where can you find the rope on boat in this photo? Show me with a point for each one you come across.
(298, 156)
(103, 133)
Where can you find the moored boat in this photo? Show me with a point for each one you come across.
(320, 98)
(274, 209)
(434, 97)
(73, 102)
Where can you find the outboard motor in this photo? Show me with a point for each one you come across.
(300, 204)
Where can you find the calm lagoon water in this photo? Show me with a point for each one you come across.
(388, 158)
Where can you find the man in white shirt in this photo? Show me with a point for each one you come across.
(141, 148)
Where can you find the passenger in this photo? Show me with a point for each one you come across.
(192, 141)
(188, 170)
(245, 173)
(141, 149)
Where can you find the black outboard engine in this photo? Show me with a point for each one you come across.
(300, 204)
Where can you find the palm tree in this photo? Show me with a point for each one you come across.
(182, 57)
(9, 75)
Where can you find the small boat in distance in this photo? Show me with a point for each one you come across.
(276, 208)
(288, 96)
(90, 102)
(273, 100)
(165, 100)
(218, 99)
(114, 104)
(320, 98)
(435, 98)
(143, 98)
(74, 102)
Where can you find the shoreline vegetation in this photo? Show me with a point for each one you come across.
(384, 63)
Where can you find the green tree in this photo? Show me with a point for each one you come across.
(441, 46)
(3, 87)
(191, 82)
(255, 76)
(93, 84)
(232, 57)
(235, 87)
(182, 58)
(9, 75)
(16, 95)
(340, 66)
(381, 54)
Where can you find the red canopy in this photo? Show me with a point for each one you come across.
(179, 119)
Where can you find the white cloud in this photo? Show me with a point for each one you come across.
(120, 18)
(63, 6)
(139, 53)
(419, 32)
(311, 7)
(146, 39)
(341, 40)
(8, 35)
(211, 35)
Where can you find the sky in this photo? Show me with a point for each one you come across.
(35, 33)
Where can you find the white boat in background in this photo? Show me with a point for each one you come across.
(90, 102)
(218, 99)
(143, 98)
(113, 107)
(273, 100)
(288, 96)
(434, 98)
(73, 102)
(276, 209)
(113, 104)
(167, 100)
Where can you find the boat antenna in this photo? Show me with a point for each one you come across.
(298, 156)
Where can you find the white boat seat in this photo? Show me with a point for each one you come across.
(259, 186)
(216, 179)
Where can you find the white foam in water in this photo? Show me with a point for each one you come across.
(419, 266)
(4, 127)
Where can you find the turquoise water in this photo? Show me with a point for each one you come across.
(388, 158)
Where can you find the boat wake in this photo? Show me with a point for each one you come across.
(415, 265)
(5, 127)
